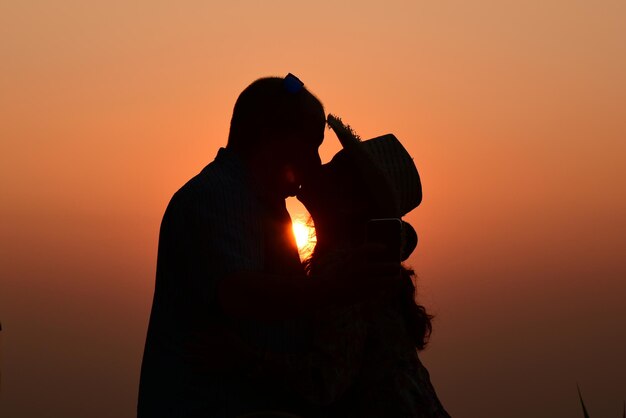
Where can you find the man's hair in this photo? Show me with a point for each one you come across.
(268, 108)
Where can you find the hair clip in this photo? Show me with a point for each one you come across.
(292, 83)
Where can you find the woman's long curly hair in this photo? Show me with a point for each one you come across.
(342, 203)
(417, 320)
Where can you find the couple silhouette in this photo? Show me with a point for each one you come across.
(240, 327)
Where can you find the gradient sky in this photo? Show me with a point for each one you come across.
(513, 111)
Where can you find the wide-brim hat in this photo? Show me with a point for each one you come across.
(385, 164)
(389, 173)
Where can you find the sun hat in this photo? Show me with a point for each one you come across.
(388, 171)
(386, 163)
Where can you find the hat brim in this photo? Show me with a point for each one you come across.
(408, 242)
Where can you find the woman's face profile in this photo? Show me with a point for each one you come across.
(332, 196)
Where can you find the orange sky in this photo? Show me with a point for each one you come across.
(513, 111)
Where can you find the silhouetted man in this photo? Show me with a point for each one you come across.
(229, 278)
(225, 248)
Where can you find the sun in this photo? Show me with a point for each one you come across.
(305, 237)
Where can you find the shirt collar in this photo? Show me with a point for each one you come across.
(232, 165)
(235, 168)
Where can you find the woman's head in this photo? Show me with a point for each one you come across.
(369, 179)
(340, 203)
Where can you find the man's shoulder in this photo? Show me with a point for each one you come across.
(217, 186)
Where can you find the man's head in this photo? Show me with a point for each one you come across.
(277, 128)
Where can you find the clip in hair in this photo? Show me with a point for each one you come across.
(292, 84)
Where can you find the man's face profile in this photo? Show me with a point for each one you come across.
(278, 126)
(299, 158)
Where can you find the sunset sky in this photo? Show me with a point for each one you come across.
(514, 112)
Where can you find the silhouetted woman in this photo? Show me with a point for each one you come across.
(363, 358)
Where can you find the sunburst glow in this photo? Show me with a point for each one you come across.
(305, 237)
